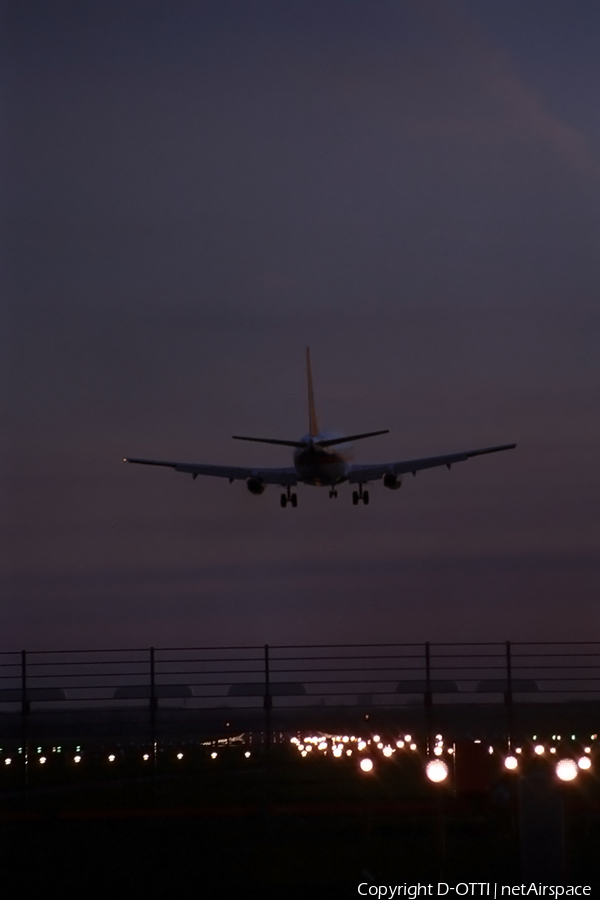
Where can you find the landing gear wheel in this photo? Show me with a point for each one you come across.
(366, 498)
(294, 500)
(283, 501)
(355, 498)
(332, 493)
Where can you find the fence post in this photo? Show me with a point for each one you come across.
(153, 705)
(267, 702)
(24, 717)
(427, 696)
(508, 695)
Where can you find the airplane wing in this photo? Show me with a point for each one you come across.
(362, 474)
(233, 473)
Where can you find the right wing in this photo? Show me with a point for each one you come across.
(362, 474)
(233, 473)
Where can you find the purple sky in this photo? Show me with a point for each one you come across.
(195, 192)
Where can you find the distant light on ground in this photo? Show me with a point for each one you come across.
(366, 764)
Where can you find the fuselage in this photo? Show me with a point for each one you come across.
(318, 465)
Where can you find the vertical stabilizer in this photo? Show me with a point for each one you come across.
(313, 428)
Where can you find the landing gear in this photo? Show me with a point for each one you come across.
(293, 499)
(332, 493)
(360, 495)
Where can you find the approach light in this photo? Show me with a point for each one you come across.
(399, 744)
(7, 761)
(376, 738)
(361, 745)
(77, 759)
(436, 770)
(348, 752)
(408, 738)
(539, 749)
(413, 746)
(587, 749)
(112, 757)
(387, 751)
(180, 756)
(437, 750)
(552, 749)
(366, 764)
(511, 763)
(337, 751)
(213, 755)
(146, 757)
(42, 759)
(584, 763)
(566, 769)
(247, 754)
(380, 745)
(303, 753)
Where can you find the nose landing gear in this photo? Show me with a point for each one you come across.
(332, 493)
(288, 496)
(360, 495)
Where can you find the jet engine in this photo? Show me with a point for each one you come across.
(255, 485)
(391, 481)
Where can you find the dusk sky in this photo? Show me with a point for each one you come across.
(196, 191)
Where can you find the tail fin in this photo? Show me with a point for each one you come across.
(313, 428)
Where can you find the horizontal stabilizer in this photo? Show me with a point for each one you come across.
(238, 437)
(351, 437)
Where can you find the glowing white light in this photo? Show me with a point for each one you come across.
(518, 750)
(587, 749)
(552, 749)
(111, 758)
(511, 762)
(309, 748)
(361, 745)
(387, 751)
(439, 737)
(42, 759)
(180, 756)
(436, 770)
(450, 750)
(477, 741)
(7, 761)
(584, 763)
(413, 746)
(376, 738)
(366, 764)
(247, 754)
(380, 746)
(408, 738)
(566, 769)
(294, 740)
(490, 750)
(438, 750)
(300, 746)
(345, 739)
(400, 744)
(213, 755)
(539, 749)
(323, 745)
(77, 759)
(303, 753)
(348, 752)
(146, 757)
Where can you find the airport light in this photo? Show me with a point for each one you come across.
(399, 744)
(366, 764)
(436, 770)
(408, 738)
(566, 769)
(387, 751)
(180, 756)
(247, 754)
(438, 750)
(511, 763)
(42, 759)
(146, 757)
(7, 761)
(584, 763)
(413, 746)
(112, 757)
(213, 755)
(77, 759)
(539, 749)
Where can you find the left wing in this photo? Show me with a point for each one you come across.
(233, 473)
(362, 474)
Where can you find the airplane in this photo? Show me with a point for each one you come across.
(321, 458)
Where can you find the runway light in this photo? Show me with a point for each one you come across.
(146, 757)
(247, 754)
(376, 738)
(584, 763)
(552, 749)
(438, 750)
(539, 749)
(399, 744)
(366, 764)
(413, 746)
(436, 770)
(387, 751)
(7, 761)
(361, 745)
(213, 755)
(518, 750)
(348, 752)
(77, 759)
(511, 763)
(337, 751)
(408, 738)
(180, 756)
(303, 753)
(42, 759)
(587, 749)
(112, 757)
(566, 769)
(380, 746)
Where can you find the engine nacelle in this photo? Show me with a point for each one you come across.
(255, 485)
(391, 481)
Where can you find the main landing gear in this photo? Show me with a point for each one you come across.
(288, 497)
(332, 493)
(360, 495)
